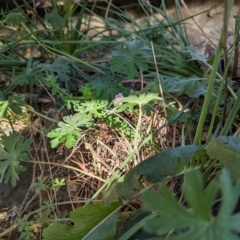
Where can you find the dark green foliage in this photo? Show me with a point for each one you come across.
(130, 58)
(91, 222)
(227, 150)
(15, 150)
(191, 86)
(195, 221)
(106, 87)
(131, 226)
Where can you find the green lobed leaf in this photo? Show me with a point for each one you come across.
(71, 140)
(128, 103)
(182, 222)
(68, 130)
(199, 199)
(59, 67)
(154, 169)
(14, 151)
(30, 75)
(39, 185)
(106, 87)
(229, 203)
(131, 57)
(94, 108)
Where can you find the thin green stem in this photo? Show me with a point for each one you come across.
(231, 117)
(198, 136)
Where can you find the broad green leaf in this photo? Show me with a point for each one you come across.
(130, 58)
(154, 169)
(191, 86)
(106, 229)
(227, 150)
(91, 222)
(14, 151)
(57, 231)
(181, 222)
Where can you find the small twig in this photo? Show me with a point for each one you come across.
(107, 10)
(200, 28)
(75, 148)
(70, 168)
(81, 165)
(141, 78)
(134, 81)
(49, 94)
(225, 57)
(159, 80)
(95, 155)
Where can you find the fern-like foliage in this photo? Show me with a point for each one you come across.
(13, 150)
(51, 83)
(53, 75)
(93, 108)
(59, 68)
(30, 75)
(122, 126)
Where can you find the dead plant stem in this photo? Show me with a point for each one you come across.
(200, 28)
(159, 81)
(96, 156)
(108, 8)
